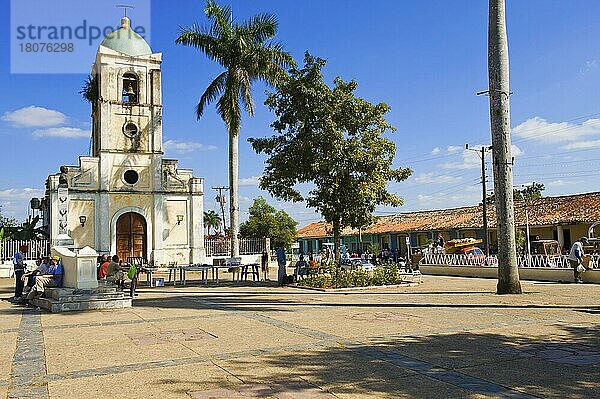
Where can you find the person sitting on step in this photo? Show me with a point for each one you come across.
(29, 277)
(114, 274)
(52, 278)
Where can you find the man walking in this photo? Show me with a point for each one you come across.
(19, 267)
(576, 257)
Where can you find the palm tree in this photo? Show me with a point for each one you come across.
(499, 92)
(211, 220)
(247, 54)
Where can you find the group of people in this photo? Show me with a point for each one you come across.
(32, 284)
(110, 270)
(113, 271)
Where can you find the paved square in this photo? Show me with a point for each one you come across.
(447, 338)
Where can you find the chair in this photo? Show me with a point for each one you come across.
(137, 261)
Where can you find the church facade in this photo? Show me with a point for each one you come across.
(125, 198)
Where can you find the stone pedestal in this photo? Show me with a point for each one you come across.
(79, 268)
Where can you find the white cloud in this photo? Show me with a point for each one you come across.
(470, 160)
(15, 201)
(62, 132)
(432, 178)
(436, 151)
(516, 151)
(33, 116)
(249, 181)
(183, 147)
(582, 145)
(470, 195)
(561, 183)
(556, 132)
(20, 193)
(454, 148)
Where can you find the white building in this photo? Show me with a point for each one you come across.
(126, 199)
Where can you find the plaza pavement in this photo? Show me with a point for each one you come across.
(446, 338)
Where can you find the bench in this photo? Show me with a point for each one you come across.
(251, 268)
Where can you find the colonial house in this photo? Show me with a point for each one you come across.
(562, 218)
(125, 198)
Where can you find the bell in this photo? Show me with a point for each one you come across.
(130, 91)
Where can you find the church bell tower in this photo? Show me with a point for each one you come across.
(127, 115)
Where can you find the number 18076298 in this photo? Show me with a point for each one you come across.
(47, 47)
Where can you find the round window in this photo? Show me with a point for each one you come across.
(131, 177)
(130, 129)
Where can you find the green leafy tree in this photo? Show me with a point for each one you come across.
(212, 220)
(7, 226)
(530, 192)
(333, 141)
(247, 54)
(25, 231)
(266, 221)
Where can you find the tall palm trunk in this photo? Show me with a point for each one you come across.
(499, 91)
(233, 194)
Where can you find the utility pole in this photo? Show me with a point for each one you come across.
(221, 200)
(481, 153)
(499, 92)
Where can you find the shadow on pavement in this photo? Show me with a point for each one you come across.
(463, 365)
(252, 301)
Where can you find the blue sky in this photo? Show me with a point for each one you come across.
(423, 58)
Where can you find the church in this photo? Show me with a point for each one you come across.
(125, 198)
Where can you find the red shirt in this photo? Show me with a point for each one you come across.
(103, 269)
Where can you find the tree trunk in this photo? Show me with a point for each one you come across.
(499, 91)
(233, 194)
(336, 239)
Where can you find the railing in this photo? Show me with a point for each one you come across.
(539, 261)
(248, 246)
(36, 248)
(459, 260)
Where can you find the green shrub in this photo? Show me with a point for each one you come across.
(336, 277)
(316, 281)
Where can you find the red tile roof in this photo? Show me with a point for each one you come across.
(546, 211)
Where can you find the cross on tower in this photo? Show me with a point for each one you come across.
(124, 7)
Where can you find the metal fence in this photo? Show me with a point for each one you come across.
(36, 248)
(248, 246)
(459, 260)
(533, 261)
